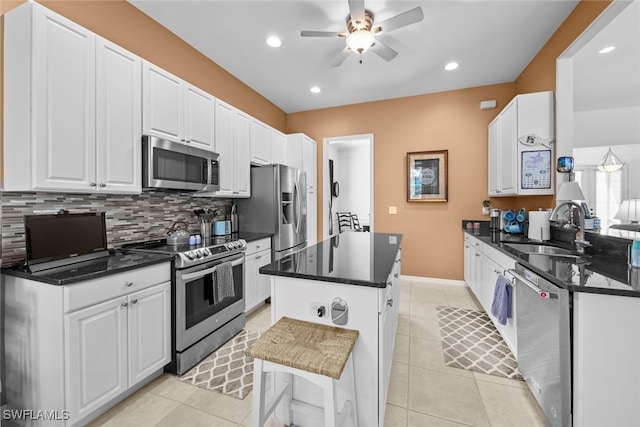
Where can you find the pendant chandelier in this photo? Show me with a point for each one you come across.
(610, 162)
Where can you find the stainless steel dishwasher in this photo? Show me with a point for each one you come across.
(544, 343)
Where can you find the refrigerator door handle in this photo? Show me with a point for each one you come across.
(297, 206)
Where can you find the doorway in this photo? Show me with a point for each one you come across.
(349, 161)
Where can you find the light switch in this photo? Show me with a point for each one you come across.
(393, 210)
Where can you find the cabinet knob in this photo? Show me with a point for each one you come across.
(466, 246)
(390, 302)
(183, 140)
(93, 184)
(102, 184)
(390, 283)
(129, 284)
(497, 271)
(477, 254)
(259, 256)
(395, 275)
(124, 303)
(134, 301)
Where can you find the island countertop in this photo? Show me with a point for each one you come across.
(355, 258)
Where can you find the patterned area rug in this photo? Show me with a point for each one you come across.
(227, 370)
(471, 341)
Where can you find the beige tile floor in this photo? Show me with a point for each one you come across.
(422, 390)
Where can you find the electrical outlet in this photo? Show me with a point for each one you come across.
(318, 309)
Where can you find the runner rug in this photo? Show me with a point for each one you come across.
(227, 370)
(471, 341)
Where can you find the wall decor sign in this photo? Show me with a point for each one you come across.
(427, 176)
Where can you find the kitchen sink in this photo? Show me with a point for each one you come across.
(553, 251)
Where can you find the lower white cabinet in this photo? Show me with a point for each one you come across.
(257, 286)
(83, 347)
(482, 266)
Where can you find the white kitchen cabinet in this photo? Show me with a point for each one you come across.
(257, 286)
(309, 162)
(519, 165)
(295, 150)
(482, 266)
(260, 143)
(233, 142)
(388, 324)
(72, 107)
(176, 110)
(104, 339)
(278, 141)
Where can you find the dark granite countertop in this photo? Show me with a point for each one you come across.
(362, 259)
(117, 262)
(251, 236)
(603, 273)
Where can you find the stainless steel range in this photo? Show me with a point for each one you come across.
(207, 296)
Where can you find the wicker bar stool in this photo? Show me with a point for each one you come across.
(315, 352)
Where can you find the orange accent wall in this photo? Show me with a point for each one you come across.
(432, 244)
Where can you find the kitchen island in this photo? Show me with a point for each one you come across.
(351, 280)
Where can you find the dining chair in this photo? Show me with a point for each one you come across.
(344, 221)
(356, 223)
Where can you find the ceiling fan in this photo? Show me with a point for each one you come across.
(362, 31)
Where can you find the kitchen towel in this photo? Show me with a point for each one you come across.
(501, 306)
(224, 282)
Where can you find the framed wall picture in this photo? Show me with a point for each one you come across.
(427, 176)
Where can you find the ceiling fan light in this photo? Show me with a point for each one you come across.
(361, 40)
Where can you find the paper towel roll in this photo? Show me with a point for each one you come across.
(539, 225)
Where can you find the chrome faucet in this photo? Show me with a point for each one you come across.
(580, 242)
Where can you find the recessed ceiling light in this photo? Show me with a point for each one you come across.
(315, 89)
(607, 49)
(273, 41)
(451, 66)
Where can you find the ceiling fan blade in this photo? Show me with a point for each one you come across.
(383, 51)
(402, 20)
(341, 57)
(356, 10)
(321, 34)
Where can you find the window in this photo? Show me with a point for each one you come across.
(604, 191)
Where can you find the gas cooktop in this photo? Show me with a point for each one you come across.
(189, 255)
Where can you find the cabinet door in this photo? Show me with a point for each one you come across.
(263, 282)
(309, 162)
(312, 217)
(508, 331)
(242, 148)
(260, 143)
(224, 119)
(278, 147)
(508, 150)
(198, 117)
(118, 118)
(250, 282)
(494, 166)
(149, 318)
(295, 150)
(63, 104)
(162, 107)
(96, 363)
(386, 337)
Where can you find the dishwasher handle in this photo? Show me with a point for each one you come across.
(541, 293)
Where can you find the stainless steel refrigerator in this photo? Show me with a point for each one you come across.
(277, 205)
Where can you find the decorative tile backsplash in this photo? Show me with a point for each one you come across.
(130, 218)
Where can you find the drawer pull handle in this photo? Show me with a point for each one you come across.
(258, 256)
(124, 303)
(129, 284)
(134, 301)
(477, 254)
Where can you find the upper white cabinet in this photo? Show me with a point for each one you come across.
(72, 107)
(260, 143)
(520, 147)
(278, 141)
(233, 144)
(295, 147)
(301, 154)
(175, 110)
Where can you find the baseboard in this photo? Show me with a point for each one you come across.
(448, 282)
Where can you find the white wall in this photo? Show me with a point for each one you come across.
(614, 126)
(353, 173)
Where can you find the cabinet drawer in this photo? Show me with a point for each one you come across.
(258, 245)
(95, 291)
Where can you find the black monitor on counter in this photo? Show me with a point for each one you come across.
(55, 240)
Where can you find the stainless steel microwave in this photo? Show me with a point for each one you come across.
(171, 165)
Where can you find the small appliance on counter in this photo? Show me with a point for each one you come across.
(221, 228)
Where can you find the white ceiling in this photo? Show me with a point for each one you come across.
(493, 41)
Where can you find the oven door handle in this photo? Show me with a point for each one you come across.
(540, 292)
(189, 276)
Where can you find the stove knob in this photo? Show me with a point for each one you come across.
(232, 245)
(190, 255)
(206, 252)
(199, 253)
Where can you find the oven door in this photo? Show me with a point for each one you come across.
(207, 297)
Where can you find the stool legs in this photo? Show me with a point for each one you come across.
(257, 405)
